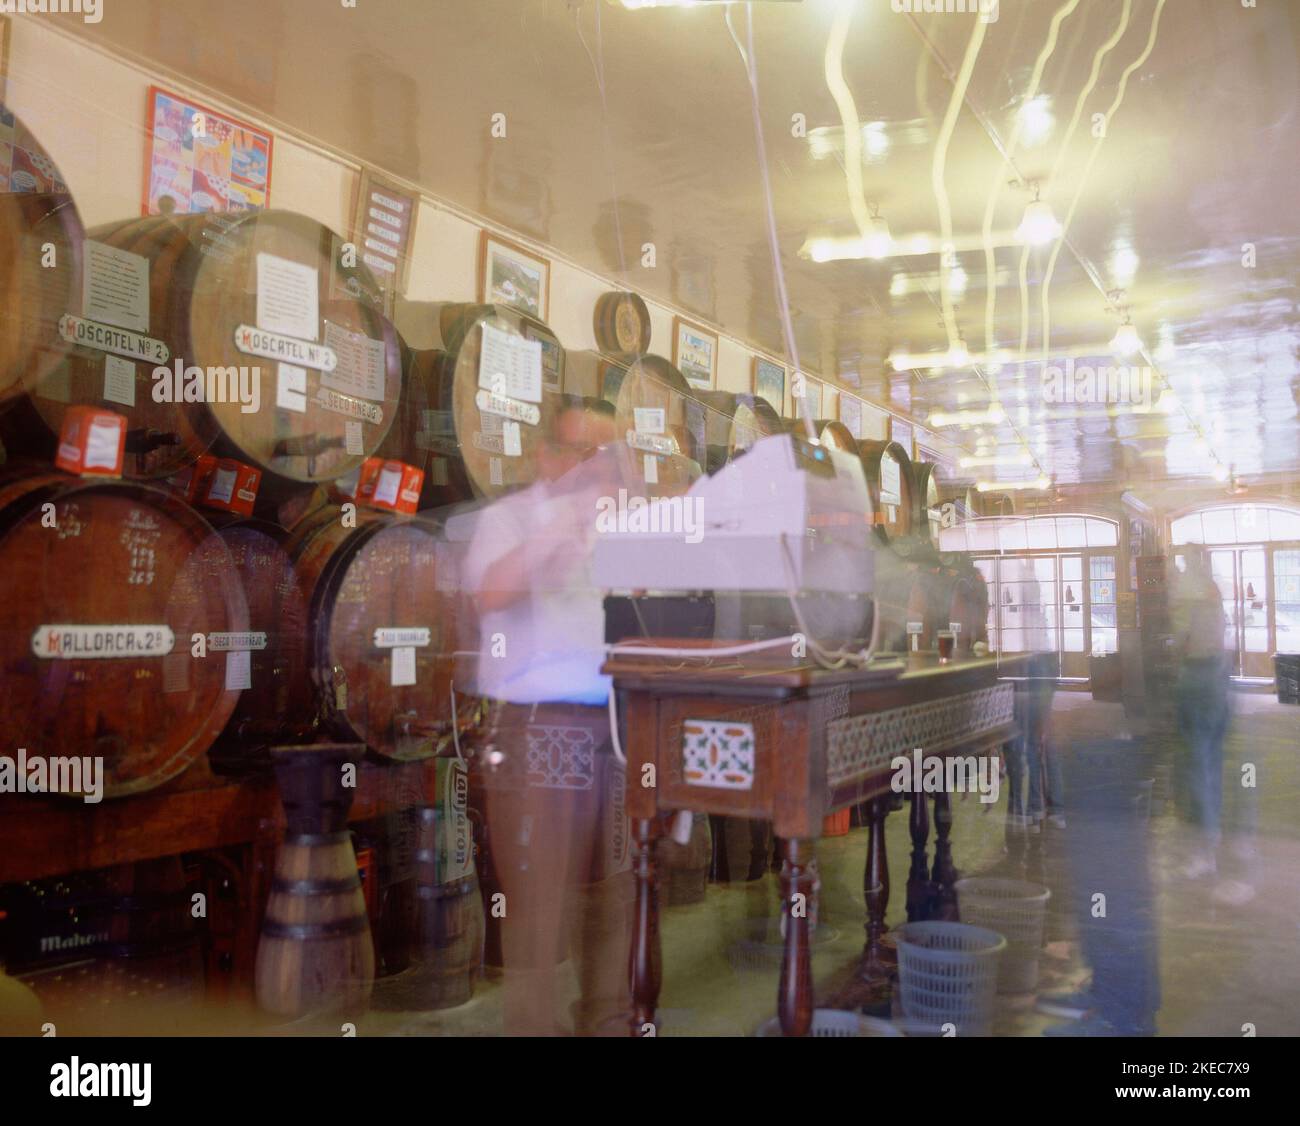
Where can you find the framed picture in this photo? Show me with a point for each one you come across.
(769, 383)
(695, 354)
(851, 413)
(809, 404)
(552, 359)
(510, 275)
(199, 159)
(383, 228)
(901, 432)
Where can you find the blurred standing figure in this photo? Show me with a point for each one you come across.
(547, 767)
(1202, 703)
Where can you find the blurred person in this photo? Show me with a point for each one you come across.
(546, 758)
(1201, 700)
(1111, 896)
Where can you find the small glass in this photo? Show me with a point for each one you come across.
(947, 645)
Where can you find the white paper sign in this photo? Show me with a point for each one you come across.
(510, 435)
(890, 481)
(390, 480)
(651, 469)
(392, 637)
(119, 381)
(494, 470)
(239, 670)
(648, 420)
(352, 439)
(291, 388)
(115, 286)
(101, 446)
(223, 485)
(510, 365)
(288, 297)
(360, 367)
(403, 666)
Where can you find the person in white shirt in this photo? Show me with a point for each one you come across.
(554, 834)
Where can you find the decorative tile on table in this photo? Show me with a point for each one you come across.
(718, 754)
(561, 757)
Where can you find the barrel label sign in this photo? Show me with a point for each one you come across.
(399, 637)
(106, 338)
(493, 402)
(235, 642)
(346, 405)
(276, 346)
(651, 443)
(80, 643)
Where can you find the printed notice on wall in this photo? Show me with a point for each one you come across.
(403, 666)
(360, 369)
(510, 365)
(239, 670)
(648, 420)
(890, 481)
(353, 441)
(288, 297)
(511, 438)
(115, 287)
(102, 446)
(119, 381)
(291, 388)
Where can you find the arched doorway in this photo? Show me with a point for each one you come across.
(1254, 556)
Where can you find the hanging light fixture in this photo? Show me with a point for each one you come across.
(1038, 225)
(1126, 341)
(878, 242)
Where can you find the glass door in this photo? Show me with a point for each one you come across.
(1286, 589)
(1241, 574)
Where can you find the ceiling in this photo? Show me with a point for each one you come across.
(1199, 158)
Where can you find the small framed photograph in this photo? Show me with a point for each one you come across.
(695, 354)
(769, 383)
(510, 275)
(851, 414)
(809, 403)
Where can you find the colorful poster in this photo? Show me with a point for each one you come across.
(200, 160)
(24, 165)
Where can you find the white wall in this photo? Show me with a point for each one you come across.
(88, 109)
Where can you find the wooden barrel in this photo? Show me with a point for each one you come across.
(380, 633)
(211, 279)
(733, 423)
(968, 602)
(269, 660)
(889, 483)
(660, 420)
(927, 505)
(315, 956)
(40, 260)
(107, 583)
(622, 323)
(497, 436)
(450, 922)
(151, 949)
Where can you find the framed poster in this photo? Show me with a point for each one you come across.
(695, 354)
(769, 383)
(383, 228)
(851, 413)
(901, 432)
(198, 159)
(809, 404)
(510, 275)
(552, 359)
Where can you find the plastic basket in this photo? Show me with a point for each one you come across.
(835, 1022)
(1015, 909)
(948, 974)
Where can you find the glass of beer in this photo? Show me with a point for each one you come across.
(947, 643)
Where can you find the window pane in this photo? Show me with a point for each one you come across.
(1288, 627)
(1013, 536)
(1070, 531)
(1072, 567)
(981, 536)
(1073, 641)
(1186, 529)
(1102, 617)
(1042, 533)
(1283, 524)
(1103, 642)
(1102, 592)
(1220, 526)
(1101, 567)
(1044, 568)
(1102, 533)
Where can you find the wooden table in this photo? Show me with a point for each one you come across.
(789, 746)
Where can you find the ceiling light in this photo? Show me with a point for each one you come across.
(1024, 458)
(877, 243)
(1126, 341)
(1220, 471)
(957, 283)
(875, 141)
(1006, 486)
(958, 356)
(1124, 263)
(1039, 225)
(1036, 120)
(898, 286)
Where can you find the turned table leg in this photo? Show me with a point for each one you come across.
(943, 875)
(875, 888)
(644, 963)
(795, 997)
(918, 877)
